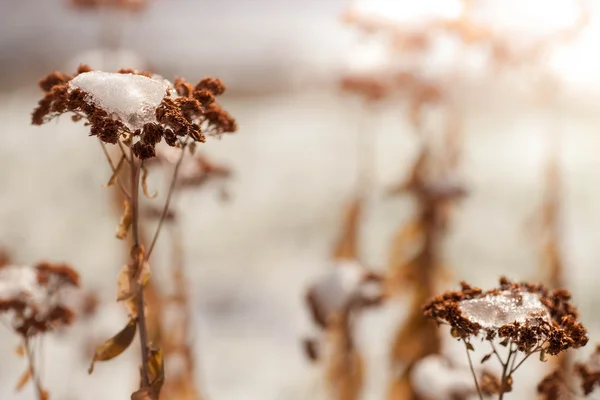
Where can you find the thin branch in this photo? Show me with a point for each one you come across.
(32, 370)
(512, 365)
(167, 202)
(505, 373)
(141, 318)
(129, 160)
(113, 168)
(473, 371)
(496, 352)
(523, 360)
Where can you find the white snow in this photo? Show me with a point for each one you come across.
(130, 98)
(18, 281)
(338, 285)
(494, 311)
(433, 378)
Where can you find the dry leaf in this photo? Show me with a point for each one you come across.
(115, 175)
(25, 377)
(145, 184)
(126, 220)
(156, 370)
(144, 393)
(20, 350)
(404, 244)
(115, 345)
(129, 280)
(44, 394)
(346, 246)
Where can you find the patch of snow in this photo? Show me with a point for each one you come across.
(338, 285)
(433, 378)
(494, 311)
(132, 99)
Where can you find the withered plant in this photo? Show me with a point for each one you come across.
(135, 111)
(523, 318)
(33, 299)
(416, 260)
(170, 325)
(335, 302)
(552, 266)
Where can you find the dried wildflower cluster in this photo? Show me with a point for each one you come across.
(335, 301)
(34, 296)
(35, 301)
(526, 318)
(558, 384)
(407, 42)
(136, 111)
(146, 109)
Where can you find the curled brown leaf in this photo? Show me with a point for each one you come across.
(115, 345)
(145, 184)
(126, 220)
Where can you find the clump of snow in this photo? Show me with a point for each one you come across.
(130, 98)
(433, 378)
(494, 311)
(335, 288)
(20, 282)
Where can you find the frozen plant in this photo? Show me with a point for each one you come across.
(135, 111)
(32, 298)
(526, 319)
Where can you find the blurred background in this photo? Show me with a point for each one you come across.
(295, 162)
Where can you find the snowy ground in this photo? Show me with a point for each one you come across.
(249, 260)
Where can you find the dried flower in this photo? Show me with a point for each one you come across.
(527, 318)
(135, 108)
(33, 296)
(528, 315)
(589, 372)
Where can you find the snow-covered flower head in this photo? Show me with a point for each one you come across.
(137, 108)
(343, 288)
(33, 297)
(529, 316)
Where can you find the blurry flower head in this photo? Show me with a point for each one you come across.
(589, 372)
(530, 316)
(433, 377)
(33, 297)
(136, 108)
(345, 287)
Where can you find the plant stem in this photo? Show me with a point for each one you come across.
(167, 202)
(505, 372)
(34, 376)
(473, 371)
(141, 319)
(113, 169)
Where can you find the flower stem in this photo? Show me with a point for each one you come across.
(165, 210)
(473, 371)
(141, 318)
(32, 370)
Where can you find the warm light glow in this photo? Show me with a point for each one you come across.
(531, 17)
(408, 11)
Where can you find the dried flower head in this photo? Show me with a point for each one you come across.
(554, 387)
(136, 108)
(589, 372)
(33, 297)
(346, 287)
(530, 316)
